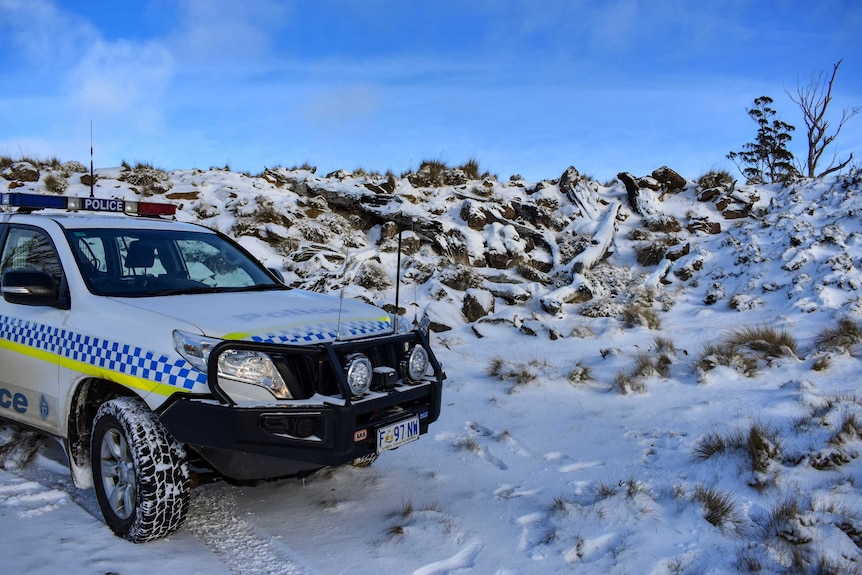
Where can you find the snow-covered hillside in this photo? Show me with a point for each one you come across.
(659, 377)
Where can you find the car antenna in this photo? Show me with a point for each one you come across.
(397, 283)
(341, 295)
(92, 176)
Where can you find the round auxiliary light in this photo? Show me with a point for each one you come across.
(417, 363)
(359, 372)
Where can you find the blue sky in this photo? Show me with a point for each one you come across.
(522, 86)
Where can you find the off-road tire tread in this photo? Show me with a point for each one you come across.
(161, 471)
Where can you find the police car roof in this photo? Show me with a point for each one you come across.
(73, 220)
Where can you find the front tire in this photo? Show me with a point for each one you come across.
(140, 472)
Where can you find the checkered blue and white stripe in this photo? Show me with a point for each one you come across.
(322, 332)
(114, 356)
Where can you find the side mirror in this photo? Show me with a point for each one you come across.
(27, 287)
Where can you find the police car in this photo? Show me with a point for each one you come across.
(149, 345)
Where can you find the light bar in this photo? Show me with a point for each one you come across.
(73, 204)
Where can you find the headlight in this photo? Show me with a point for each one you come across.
(255, 368)
(358, 371)
(251, 367)
(194, 348)
(417, 363)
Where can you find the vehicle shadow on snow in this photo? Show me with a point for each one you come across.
(36, 457)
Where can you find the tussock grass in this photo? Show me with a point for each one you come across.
(373, 276)
(656, 362)
(467, 444)
(639, 315)
(629, 383)
(744, 348)
(55, 183)
(518, 373)
(663, 224)
(765, 340)
(714, 178)
(715, 443)
(719, 508)
(849, 429)
(760, 444)
(846, 334)
(580, 374)
(783, 533)
(605, 490)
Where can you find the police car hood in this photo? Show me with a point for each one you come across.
(289, 317)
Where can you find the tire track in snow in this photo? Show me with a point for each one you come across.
(213, 521)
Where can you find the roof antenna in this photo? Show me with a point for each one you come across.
(92, 177)
(397, 283)
(341, 295)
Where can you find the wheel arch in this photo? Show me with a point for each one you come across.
(89, 395)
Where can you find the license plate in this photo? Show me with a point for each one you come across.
(397, 434)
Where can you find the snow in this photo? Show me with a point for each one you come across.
(551, 455)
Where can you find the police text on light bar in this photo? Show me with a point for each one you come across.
(42, 201)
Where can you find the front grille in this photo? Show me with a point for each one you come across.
(319, 369)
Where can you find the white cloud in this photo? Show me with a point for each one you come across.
(43, 35)
(344, 104)
(214, 33)
(122, 77)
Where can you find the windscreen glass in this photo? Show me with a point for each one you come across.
(141, 263)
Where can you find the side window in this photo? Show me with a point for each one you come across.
(31, 249)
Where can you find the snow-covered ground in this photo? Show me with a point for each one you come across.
(574, 441)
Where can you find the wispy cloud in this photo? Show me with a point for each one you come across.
(225, 33)
(122, 78)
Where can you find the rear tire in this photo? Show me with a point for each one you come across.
(140, 472)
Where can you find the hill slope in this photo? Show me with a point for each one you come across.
(659, 378)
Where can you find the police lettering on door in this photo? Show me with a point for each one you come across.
(15, 401)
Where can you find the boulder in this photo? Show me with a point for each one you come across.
(22, 172)
(632, 191)
(477, 304)
(669, 179)
(677, 252)
(472, 213)
(704, 226)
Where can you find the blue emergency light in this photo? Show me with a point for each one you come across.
(74, 204)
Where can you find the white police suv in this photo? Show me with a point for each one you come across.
(148, 345)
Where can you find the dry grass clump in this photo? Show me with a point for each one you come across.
(519, 374)
(760, 444)
(662, 224)
(639, 315)
(373, 276)
(715, 178)
(580, 374)
(56, 183)
(719, 508)
(765, 340)
(841, 416)
(656, 362)
(846, 334)
(744, 348)
(147, 180)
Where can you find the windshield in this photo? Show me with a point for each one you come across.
(140, 263)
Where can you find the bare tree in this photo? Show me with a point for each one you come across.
(814, 100)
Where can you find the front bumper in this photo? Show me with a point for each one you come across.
(292, 437)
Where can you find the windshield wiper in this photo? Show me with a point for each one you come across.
(212, 289)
